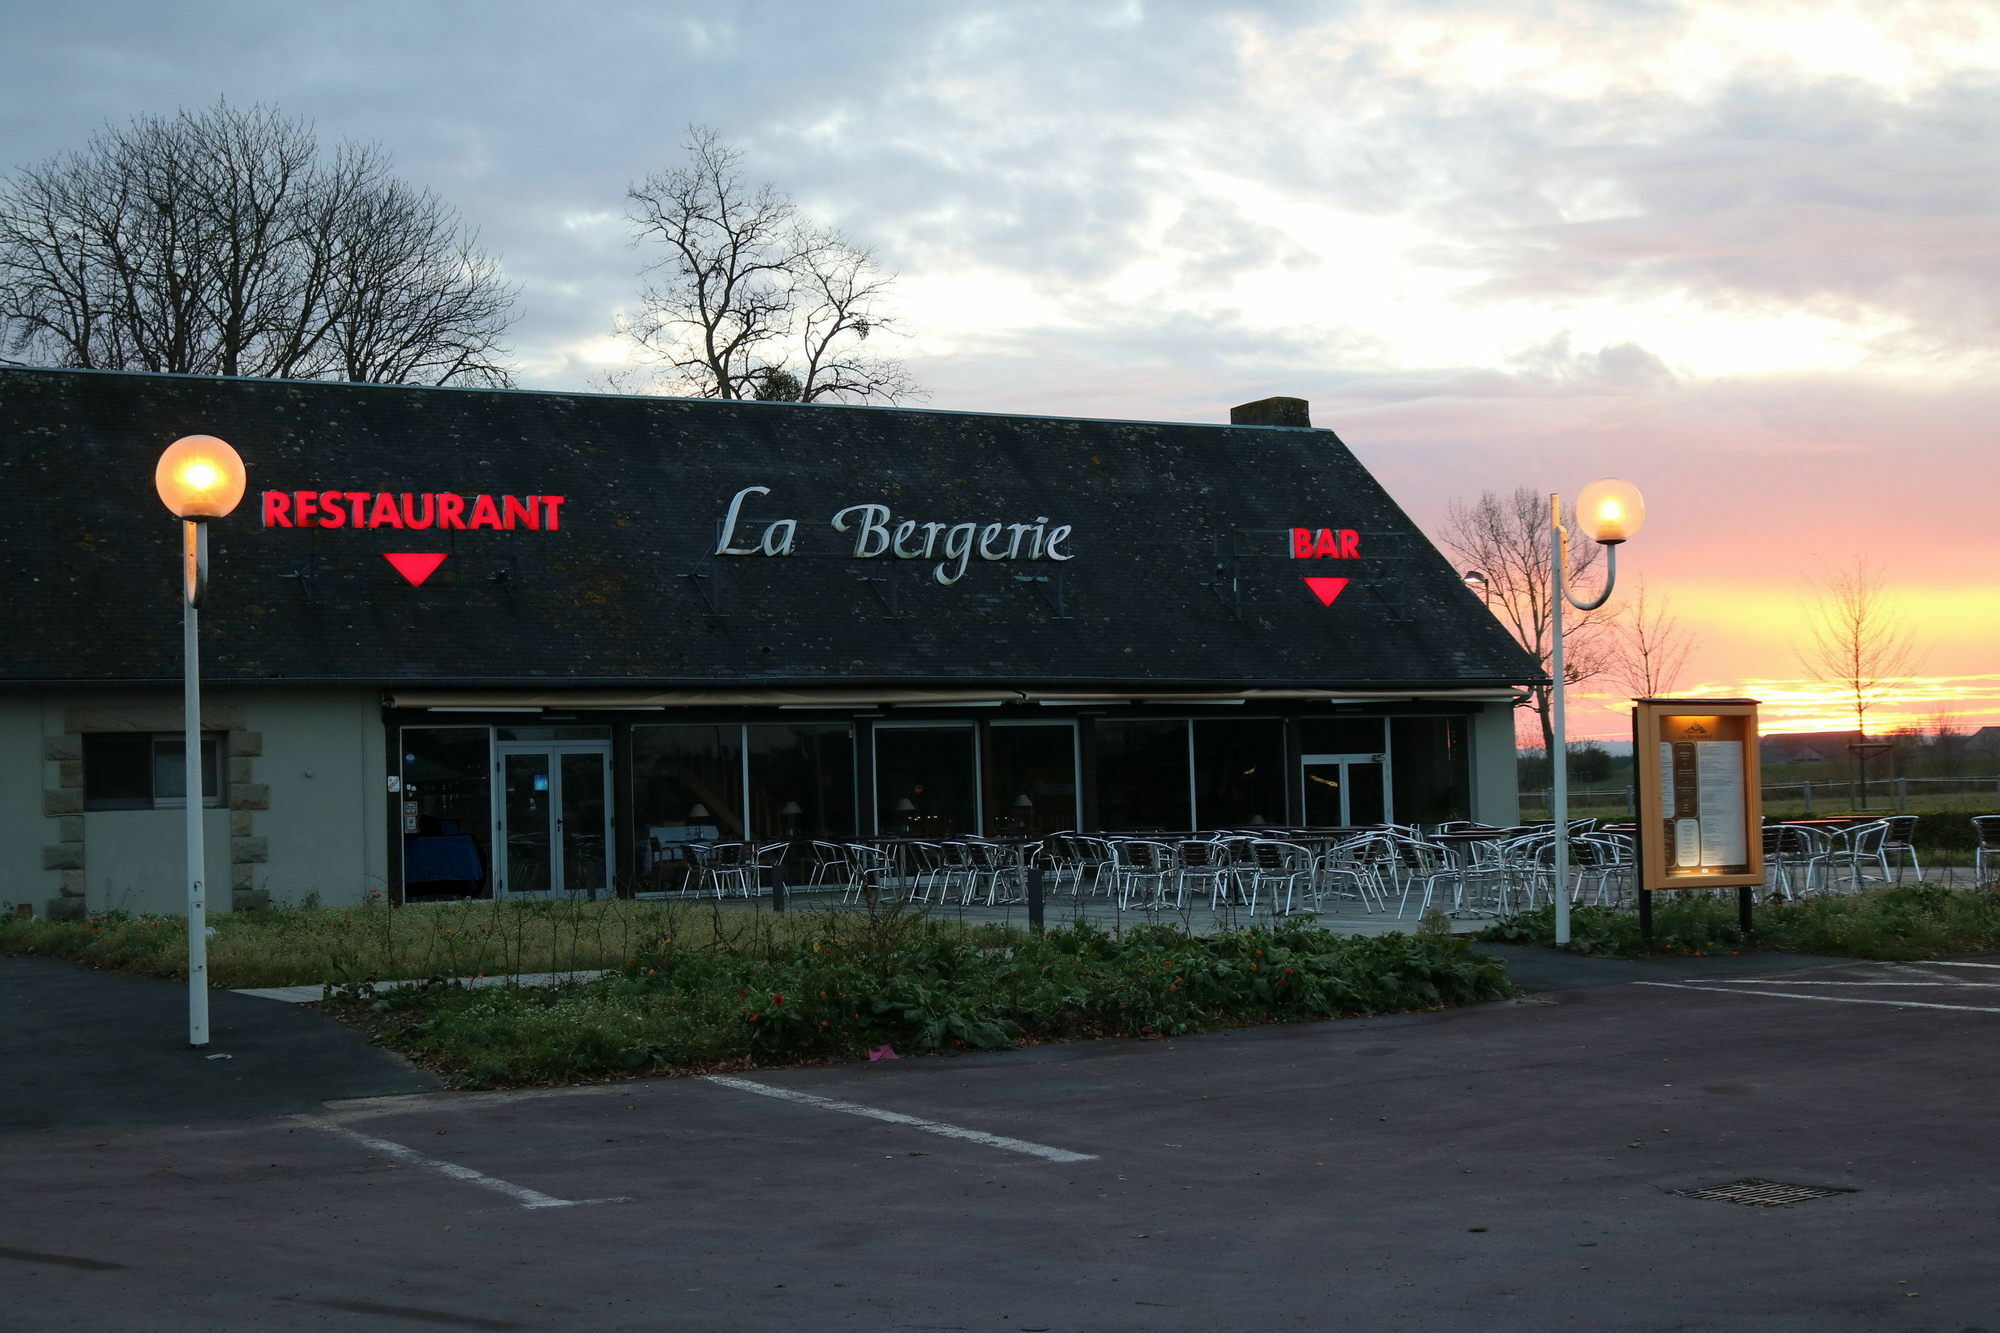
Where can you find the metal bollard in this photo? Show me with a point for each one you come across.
(1034, 878)
(778, 887)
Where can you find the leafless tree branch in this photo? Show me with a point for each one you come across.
(1649, 648)
(1506, 538)
(749, 300)
(224, 242)
(1858, 637)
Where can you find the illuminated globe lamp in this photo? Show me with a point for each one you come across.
(1610, 511)
(198, 478)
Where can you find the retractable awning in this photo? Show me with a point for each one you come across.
(475, 700)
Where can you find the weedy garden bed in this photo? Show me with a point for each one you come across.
(846, 984)
(293, 946)
(1899, 923)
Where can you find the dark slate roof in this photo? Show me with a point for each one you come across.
(1181, 572)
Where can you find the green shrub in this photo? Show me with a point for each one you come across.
(859, 981)
(1897, 922)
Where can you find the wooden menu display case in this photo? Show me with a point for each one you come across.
(1701, 809)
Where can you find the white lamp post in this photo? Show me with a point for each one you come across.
(1609, 511)
(198, 478)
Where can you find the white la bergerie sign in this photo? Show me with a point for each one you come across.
(879, 532)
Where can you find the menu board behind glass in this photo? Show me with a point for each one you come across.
(1700, 813)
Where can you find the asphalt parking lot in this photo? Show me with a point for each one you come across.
(1514, 1166)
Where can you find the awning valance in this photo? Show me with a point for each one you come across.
(888, 696)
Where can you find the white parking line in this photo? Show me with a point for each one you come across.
(1948, 985)
(1825, 999)
(520, 1194)
(1040, 1150)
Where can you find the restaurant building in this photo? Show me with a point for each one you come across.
(474, 643)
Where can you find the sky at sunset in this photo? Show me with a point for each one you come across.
(1747, 255)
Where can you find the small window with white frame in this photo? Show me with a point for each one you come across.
(143, 770)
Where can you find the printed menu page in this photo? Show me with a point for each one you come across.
(1701, 800)
(1719, 769)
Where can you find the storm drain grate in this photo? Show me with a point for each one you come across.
(1753, 1193)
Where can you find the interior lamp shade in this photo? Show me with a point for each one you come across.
(1610, 510)
(199, 477)
(792, 808)
(698, 811)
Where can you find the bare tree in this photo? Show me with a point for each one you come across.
(751, 300)
(225, 242)
(1506, 538)
(1649, 648)
(1858, 638)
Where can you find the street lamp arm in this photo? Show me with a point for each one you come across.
(1610, 580)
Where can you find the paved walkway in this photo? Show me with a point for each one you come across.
(80, 1047)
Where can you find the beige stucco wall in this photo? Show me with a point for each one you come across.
(304, 811)
(1496, 792)
(23, 827)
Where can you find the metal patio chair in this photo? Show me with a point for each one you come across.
(1853, 849)
(869, 869)
(1986, 849)
(1279, 865)
(1898, 845)
(1144, 871)
(1203, 865)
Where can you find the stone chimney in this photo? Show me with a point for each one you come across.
(1272, 412)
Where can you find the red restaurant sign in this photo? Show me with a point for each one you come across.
(410, 511)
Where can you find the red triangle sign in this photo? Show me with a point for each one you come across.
(416, 568)
(1326, 589)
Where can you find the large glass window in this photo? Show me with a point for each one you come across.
(1431, 765)
(1341, 735)
(926, 781)
(1239, 772)
(447, 809)
(1142, 775)
(802, 781)
(687, 786)
(1034, 778)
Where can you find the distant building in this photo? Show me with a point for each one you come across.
(1807, 747)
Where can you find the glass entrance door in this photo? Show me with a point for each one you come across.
(552, 823)
(1343, 790)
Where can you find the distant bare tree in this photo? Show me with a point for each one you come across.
(1506, 538)
(225, 242)
(750, 300)
(1649, 647)
(1859, 639)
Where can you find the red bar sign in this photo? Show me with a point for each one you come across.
(1326, 544)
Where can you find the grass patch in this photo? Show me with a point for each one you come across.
(1900, 922)
(291, 946)
(851, 982)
